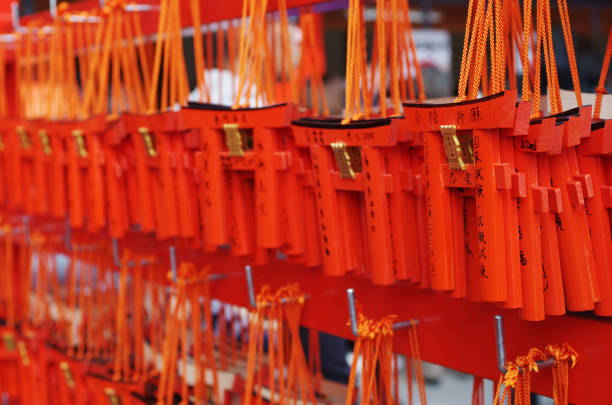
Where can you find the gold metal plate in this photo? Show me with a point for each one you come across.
(26, 143)
(233, 140)
(23, 352)
(44, 139)
(113, 399)
(343, 160)
(67, 373)
(80, 142)
(9, 341)
(149, 141)
(355, 155)
(452, 146)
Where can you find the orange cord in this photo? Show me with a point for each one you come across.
(478, 391)
(565, 358)
(600, 90)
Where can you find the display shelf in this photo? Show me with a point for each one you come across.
(453, 332)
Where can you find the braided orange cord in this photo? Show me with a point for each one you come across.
(210, 362)
(83, 50)
(242, 51)
(174, 55)
(183, 89)
(87, 311)
(268, 81)
(117, 104)
(302, 74)
(222, 322)
(220, 61)
(287, 55)
(527, 20)
(565, 358)
(283, 389)
(161, 28)
(314, 354)
(121, 316)
(165, 356)
(601, 85)
(382, 66)
(478, 391)
(101, 106)
(184, 349)
(508, 381)
(231, 53)
(499, 82)
(569, 46)
(138, 322)
(480, 55)
(28, 77)
(18, 74)
(536, 112)
(196, 326)
(173, 340)
(8, 271)
(556, 96)
(198, 51)
(143, 59)
(470, 22)
(91, 83)
(405, 52)
(416, 353)
(394, 65)
(273, 334)
(350, 62)
(72, 85)
(166, 87)
(139, 81)
(125, 81)
(255, 329)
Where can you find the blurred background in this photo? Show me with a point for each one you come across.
(438, 29)
(438, 33)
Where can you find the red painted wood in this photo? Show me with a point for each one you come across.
(455, 333)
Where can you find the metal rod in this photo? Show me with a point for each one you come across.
(173, 262)
(499, 343)
(15, 16)
(500, 348)
(250, 288)
(53, 8)
(68, 234)
(116, 259)
(350, 295)
(140, 7)
(404, 324)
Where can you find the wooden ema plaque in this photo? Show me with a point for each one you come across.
(49, 168)
(251, 180)
(580, 287)
(593, 160)
(353, 185)
(85, 173)
(154, 162)
(165, 141)
(471, 189)
(18, 154)
(537, 203)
